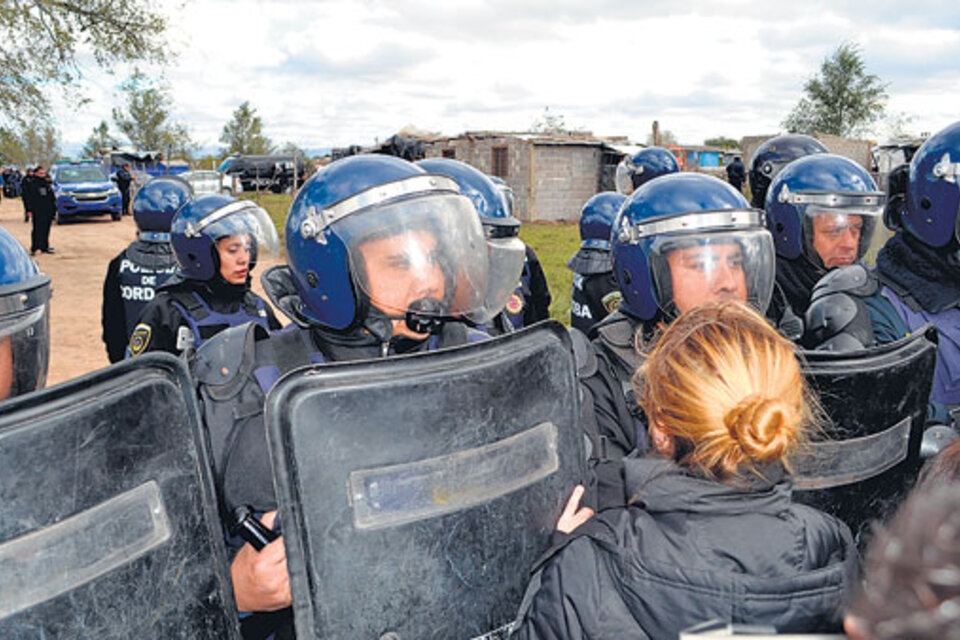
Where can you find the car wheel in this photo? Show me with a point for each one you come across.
(115, 216)
(227, 192)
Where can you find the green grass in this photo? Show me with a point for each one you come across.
(554, 244)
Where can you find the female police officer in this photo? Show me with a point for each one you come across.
(217, 241)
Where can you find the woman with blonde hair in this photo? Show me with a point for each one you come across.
(711, 531)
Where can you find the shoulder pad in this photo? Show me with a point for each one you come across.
(853, 279)
(583, 354)
(616, 330)
(220, 360)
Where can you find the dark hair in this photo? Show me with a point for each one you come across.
(911, 585)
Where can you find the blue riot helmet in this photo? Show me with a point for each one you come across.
(596, 220)
(688, 239)
(933, 190)
(825, 207)
(772, 156)
(374, 241)
(505, 249)
(155, 205)
(201, 223)
(24, 320)
(643, 166)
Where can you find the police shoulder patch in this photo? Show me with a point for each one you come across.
(611, 301)
(140, 339)
(515, 304)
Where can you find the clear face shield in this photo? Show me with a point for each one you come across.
(242, 227)
(24, 336)
(505, 255)
(841, 229)
(696, 268)
(624, 177)
(425, 258)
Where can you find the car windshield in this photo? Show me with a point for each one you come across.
(66, 175)
(225, 165)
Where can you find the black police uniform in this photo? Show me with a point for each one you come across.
(234, 371)
(736, 174)
(26, 190)
(123, 183)
(593, 298)
(186, 313)
(612, 421)
(42, 204)
(131, 284)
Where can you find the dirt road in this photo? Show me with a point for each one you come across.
(77, 269)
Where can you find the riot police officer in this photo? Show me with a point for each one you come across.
(383, 259)
(135, 274)
(595, 292)
(508, 254)
(217, 242)
(24, 321)
(678, 242)
(824, 211)
(919, 266)
(642, 167)
(772, 156)
(124, 179)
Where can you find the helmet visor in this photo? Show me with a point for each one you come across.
(425, 254)
(506, 264)
(841, 236)
(24, 339)
(624, 179)
(245, 222)
(690, 270)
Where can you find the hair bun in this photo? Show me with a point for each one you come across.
(760, 426)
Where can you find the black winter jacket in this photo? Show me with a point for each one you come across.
(691, 550)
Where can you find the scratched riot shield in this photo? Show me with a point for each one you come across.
(876, 400)
(417, 492)
(108, 526)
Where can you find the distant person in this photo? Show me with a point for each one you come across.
(123, 183)
(41, 206)
(736, 174)
(711, 530)
(26, 184)
(595, 293)
(134, 276)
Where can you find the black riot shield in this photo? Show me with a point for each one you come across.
(876, 400)
(417, 492)
(108, 526)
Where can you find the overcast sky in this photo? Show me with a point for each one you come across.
(337, 72)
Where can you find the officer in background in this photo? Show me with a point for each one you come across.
(595, 292)
(919, 266)
(217, 242)
(736, 174)
(508, 254)
(41, 206)
(678, 242)
(147, 263)
(124, 178)
(384, 259)
(772, 156)
(24, 321)
(26, 185)
(642, 167)
(823, 211)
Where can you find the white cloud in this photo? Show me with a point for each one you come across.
(340, 72)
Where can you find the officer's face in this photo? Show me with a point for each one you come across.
(400, 269)
(234, 258)
(707, 274)
(836, 237)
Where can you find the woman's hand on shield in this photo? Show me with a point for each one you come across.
(573, 514)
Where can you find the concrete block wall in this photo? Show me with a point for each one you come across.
(565, 178)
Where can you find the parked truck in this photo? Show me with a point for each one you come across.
(275, 173)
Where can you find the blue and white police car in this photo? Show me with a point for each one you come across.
(83, 188)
